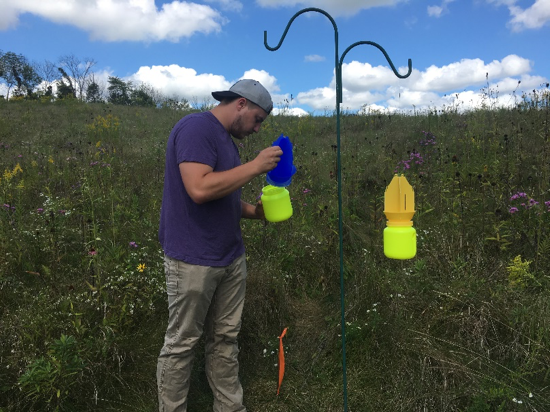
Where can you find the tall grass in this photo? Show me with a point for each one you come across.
(464, 326)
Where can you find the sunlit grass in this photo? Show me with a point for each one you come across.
(461, 327)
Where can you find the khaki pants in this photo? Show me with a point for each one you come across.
(210, 299)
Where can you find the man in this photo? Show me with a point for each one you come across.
(200, 233)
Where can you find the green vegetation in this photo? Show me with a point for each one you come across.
(464, 326)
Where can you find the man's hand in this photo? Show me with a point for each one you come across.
(260, 210)
(268, 158)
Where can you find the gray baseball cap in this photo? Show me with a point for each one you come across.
(249, 89)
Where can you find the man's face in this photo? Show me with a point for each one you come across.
(249, 120)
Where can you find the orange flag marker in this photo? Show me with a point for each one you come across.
(281, 359)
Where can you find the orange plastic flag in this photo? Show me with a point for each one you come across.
(281, 360)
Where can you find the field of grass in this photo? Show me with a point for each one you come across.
(464, 326)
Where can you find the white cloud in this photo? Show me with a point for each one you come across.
(267, 80)
(3, 89)
(118, 20)
(314, 58)
(322, 98)
(229, 5)
(293, 111)
(362, 76)
(181, 82)
(438, 11)
(467, 73)
(534, 17)
(9, 18)
(458, 83)
(435, 11)
(333, 7)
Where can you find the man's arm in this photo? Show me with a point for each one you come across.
(252, 212)
(203, 184)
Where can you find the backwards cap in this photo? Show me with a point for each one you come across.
(249, 89)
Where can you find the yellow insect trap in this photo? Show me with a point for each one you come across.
(399, 235)
(276, 202)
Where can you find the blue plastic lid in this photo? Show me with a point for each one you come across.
(281, 176)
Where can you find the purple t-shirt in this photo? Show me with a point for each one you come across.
(208, 234)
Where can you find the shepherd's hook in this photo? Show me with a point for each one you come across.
(338, 72)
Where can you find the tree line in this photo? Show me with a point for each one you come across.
(72, 77)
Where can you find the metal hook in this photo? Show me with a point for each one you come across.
(290, 23)
(338, 69)
(371, 43)
(338, 91)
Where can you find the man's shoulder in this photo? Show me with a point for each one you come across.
(198, 117)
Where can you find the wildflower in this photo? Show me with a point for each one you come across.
(39, 210)
(141, 267)
(519, 195)
(133, 244)
(513, 210)
(50, 159)
(92, 252)
(306, 191)
(62, 212)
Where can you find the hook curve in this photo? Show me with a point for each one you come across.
(371, 43)
(290, 23)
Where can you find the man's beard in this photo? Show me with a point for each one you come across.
(237, 129)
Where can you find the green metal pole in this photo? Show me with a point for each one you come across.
(338, 73)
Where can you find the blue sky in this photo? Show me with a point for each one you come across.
(186, 49)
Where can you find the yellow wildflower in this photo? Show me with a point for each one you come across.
(7, 175)
(141, 267)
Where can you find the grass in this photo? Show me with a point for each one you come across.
(464, 326)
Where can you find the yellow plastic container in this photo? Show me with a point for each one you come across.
(276, 202)
(399, 235)
(400, 242)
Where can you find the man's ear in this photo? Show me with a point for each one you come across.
(241, 103)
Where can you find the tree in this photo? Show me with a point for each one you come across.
(175, 104)
(49, 74)
(16, 71)
(143, 96)
(79, 71)
(119, 91)
(93, 92)
(63, 89)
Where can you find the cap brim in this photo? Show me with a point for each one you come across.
(219, 96)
